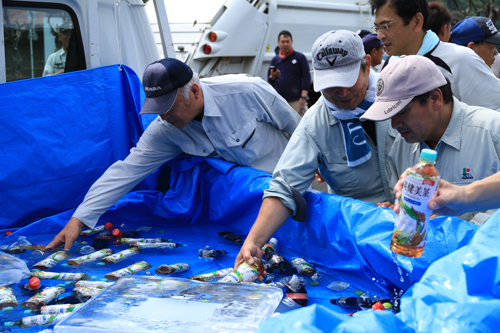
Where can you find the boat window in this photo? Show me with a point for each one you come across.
(40, 41)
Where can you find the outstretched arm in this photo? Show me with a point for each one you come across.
(272, 215)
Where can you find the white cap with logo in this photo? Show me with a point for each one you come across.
(400, 82)
(336, 58)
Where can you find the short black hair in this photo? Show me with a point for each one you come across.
(405, 9)
(439, 15)
(445, 90)
(285, 33)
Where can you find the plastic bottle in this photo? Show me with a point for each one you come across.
(169, 269)
(211, 276)
(209, 252)
(55, 309)
(117, 257)
(42, 298)
(165, 245)
(277, 262)
(35, 321)
(303, 267)
(88, 232)
(410, 232)
(130, 270)
(51, 260)
(245, 272)
(230, 236)
(123, 240)
(295, 289)
(7, 297)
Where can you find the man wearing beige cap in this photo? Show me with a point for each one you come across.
(238, 118)
(351, 156)
(416, 96)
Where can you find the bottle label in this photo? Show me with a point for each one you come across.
(90, 257)
(301, 265)
(59, 276)
(42, 320)
(130, 270)
(52, 260)
(166, 245)
(59, 309)
(297, 295)
(411, 222)
(117, 257)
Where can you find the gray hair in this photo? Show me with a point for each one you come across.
(185, 89)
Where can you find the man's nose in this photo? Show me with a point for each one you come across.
(395, 122)
(342, 92)
(381, 34)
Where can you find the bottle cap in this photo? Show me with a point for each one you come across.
(428, 155)
(101, 264)
(8, 324)
(116, 232)
(378, 306)
(108, 226)
(8, 233)
(28, 312)
(34, 283)
(8, 309)
(65, 265)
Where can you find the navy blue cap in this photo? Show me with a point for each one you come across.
(362, 33)
(370, 41)
(161, 80)
(475, 29)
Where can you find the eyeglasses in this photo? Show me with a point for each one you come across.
(384, 27)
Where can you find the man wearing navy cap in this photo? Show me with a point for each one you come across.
(479, 34)
(373, 47)
(238, 118)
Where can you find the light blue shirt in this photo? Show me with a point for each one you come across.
(243, 122)
(318, 143)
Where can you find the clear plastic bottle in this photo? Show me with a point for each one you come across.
(410, 232)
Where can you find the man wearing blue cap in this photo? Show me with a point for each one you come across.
(479, 34)
(373, 47)
(238, 118)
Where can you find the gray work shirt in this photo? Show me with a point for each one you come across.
(243, 122)
(469, 149)
(318, 143)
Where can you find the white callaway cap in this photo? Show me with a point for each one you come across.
(336, 59)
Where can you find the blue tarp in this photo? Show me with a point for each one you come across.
(59, 134)
(343, 237)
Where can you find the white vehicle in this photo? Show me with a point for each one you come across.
(242, 36)
(103, 32)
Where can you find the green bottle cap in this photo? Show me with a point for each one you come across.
(101, 264)
(64, 265)
(8, 309)
(184, 245)
(428, 155)
(8, 324)
(28, 312)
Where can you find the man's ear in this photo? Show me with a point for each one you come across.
(418, 21)
(196, 90)
(436, 97)
(471, 45)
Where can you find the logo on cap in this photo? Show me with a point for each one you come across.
(331, 50)
(380, 87)
(491, 26)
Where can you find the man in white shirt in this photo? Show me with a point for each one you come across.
(237, 118)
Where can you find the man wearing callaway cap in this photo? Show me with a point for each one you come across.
(479, 34)
(417, 98)
(238, 118)
(350, 155)
(402, 27)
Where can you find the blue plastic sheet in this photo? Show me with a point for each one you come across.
(55, 153)
(59, 134)
(458, 293)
